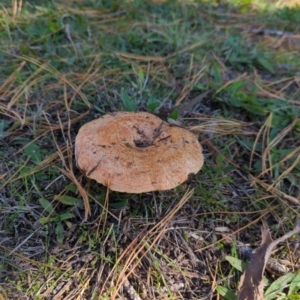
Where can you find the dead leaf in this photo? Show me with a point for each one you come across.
(1, 177)
(251, 285)
(188, 106)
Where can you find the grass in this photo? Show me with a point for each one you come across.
(65, 63)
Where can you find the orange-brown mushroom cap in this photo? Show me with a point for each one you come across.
(136, 152)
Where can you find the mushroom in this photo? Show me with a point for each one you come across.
(136, 152)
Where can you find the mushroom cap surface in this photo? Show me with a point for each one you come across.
(136, 152)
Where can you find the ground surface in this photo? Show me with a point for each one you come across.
(229, 73)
